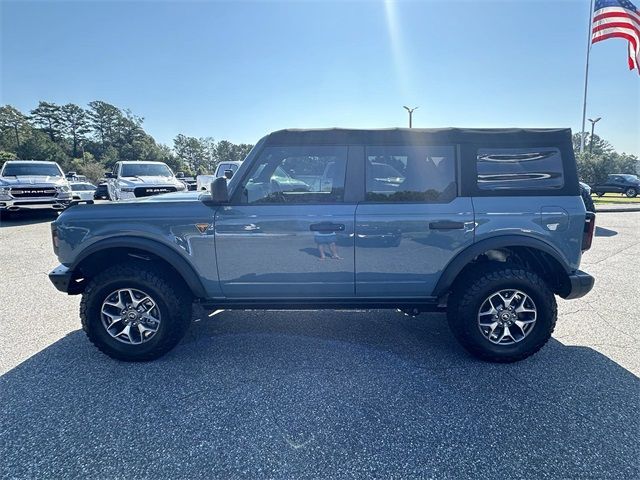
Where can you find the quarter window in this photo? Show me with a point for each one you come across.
(519, 169)
(310, 174)
(410, 174)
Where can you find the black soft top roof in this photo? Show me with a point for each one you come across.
(394, 136)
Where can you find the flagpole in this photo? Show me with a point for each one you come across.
(586, 78)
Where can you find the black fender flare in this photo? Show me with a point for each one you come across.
(167, 253)
(455, 266)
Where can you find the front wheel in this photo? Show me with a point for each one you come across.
(631, 192)
(502, 313)
(135, 313)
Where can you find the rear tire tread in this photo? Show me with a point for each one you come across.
(465, 296)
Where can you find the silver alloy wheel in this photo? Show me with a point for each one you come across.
(130, 316)
(507, 317)
(631, 192)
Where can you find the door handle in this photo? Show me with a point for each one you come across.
(446, 225)
(327, 227)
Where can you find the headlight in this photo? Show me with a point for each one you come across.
(63, 188)
(180, 186)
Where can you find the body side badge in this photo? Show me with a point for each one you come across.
(202, 227)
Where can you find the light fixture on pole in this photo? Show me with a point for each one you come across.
(410, 110)
(593, 126)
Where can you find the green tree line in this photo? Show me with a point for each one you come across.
(91, 140)
(600, 159)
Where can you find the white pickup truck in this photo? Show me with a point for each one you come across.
(134, 179)
(204, 181)
(31, 184)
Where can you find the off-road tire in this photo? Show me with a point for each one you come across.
(470, 291)
(588, 201)
(172, 298)
(631, 192)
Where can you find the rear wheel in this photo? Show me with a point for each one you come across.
(502, 313)
(135, 313)
(631, 192)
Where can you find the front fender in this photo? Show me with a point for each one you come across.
(169, 254)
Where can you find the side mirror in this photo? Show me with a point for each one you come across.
(180, 175)
(228, 174)
(109, 175)
(219, 191)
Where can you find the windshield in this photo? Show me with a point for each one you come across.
(145, 170)
(31, 169)
(631, 178)
(82, 187)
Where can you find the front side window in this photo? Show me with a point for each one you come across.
(519, 168)
(410, 174)
(310, 174)
(28, 169)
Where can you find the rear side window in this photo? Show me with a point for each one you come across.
(410, 174)
(519, 169)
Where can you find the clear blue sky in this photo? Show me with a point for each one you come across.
(237, 70)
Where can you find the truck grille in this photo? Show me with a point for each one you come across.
(33, 192)
(148, 191)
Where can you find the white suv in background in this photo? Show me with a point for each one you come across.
(135, 179)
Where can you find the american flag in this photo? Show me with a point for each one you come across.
(618, 19)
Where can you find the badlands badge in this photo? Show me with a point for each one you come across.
(202, 227)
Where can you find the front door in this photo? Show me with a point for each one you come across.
(288, 233)
(412, 222)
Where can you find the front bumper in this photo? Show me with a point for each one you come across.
(62, 279)
(15, 204)
(580, 284)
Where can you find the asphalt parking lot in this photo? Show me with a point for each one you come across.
(319, 394)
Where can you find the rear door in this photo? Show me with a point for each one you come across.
(287, 233)
(412, 222)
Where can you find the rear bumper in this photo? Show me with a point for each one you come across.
(580, 283)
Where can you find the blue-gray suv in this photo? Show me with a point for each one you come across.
(487, 225)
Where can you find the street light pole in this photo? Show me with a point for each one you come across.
(593, 126)
(410, 110)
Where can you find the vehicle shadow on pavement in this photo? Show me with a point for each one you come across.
(604, 232)
(318, 395)
(28, 217)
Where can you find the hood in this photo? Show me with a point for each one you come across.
(113, 210)
(33, 180)
(141, 181)
(187, 196)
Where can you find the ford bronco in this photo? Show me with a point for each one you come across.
(485, 224)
